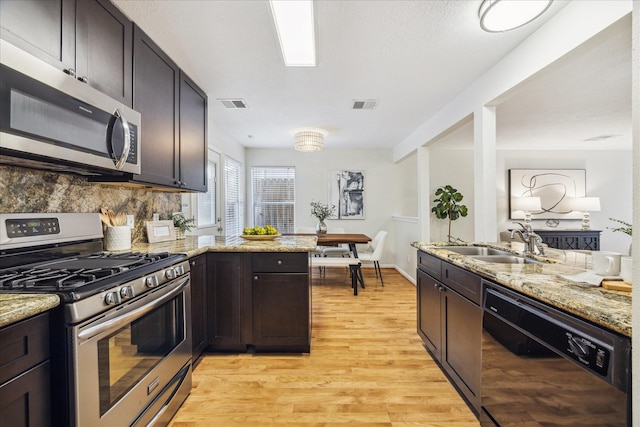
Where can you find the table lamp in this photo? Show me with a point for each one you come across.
(527, 205)
(585, 205)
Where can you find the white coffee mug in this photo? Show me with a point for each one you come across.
(625, 269)
(605, 263)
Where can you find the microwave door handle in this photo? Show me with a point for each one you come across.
(127, 139)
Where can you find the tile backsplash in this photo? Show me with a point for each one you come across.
(27, 190)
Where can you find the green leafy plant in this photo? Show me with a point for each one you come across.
(626, 228)
(182, 223)
(448, 205)
(321, 211)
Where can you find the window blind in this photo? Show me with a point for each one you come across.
(273, 197)
(234, 203)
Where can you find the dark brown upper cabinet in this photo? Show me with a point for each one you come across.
(90, 40)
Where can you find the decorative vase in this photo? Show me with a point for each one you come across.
(321, 228)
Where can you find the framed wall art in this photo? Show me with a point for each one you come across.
(346, 192)
(160, 231)
(553, 186)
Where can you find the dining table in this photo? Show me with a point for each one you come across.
(351, 239)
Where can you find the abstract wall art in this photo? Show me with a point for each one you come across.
(346, 192)
(553, 186)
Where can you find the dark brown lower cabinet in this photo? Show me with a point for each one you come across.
(450, 323)
(281, 312)
(25, 384)
(198, 266)
(225, 294)
(258, 302)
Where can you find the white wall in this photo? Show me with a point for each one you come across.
(455, 168)
(381, 184)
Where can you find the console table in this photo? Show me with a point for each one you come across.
(571, 239)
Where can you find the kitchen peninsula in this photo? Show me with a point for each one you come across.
(247, 295)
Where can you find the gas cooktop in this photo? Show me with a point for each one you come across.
(76, 277)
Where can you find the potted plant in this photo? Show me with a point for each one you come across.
(625, 228)
(447, 205)
(321, 212)
(182, 224)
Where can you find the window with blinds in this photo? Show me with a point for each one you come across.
(273, 197)
(234, 203)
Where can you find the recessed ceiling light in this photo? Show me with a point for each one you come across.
(295, 26)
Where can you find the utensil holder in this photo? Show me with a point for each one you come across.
(117, 238)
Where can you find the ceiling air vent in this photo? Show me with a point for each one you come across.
(233, 103)
(365, 104)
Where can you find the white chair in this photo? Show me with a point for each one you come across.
(374, 252)
(342, 250)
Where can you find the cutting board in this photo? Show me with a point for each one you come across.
(616, 285)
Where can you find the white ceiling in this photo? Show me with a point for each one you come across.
(412, 56)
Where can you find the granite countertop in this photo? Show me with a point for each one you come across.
(195, 245)
(17, 307)
(608, 308)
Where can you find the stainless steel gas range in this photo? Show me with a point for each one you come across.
(121, 339)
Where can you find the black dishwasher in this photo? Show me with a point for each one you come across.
(544, 367)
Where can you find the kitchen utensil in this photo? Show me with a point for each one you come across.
(105, 219)
(616, 285)
(112, 216)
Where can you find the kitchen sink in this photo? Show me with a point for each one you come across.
(475, 250)
(506, 259)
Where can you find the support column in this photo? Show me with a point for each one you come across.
(424, 194)
(484, 172)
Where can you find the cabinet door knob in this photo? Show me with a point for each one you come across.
(193, 263)
(70, 71)
(256, 277)
(279, 262)
(83, 79)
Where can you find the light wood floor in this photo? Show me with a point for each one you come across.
(367, 367)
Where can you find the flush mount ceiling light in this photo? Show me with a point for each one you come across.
(295, 26)
(497, 16)
(309, 140)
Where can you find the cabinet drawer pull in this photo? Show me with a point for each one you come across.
(279, 262)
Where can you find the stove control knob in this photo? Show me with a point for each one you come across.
(126, 292)
(112, 298)
(151, 282)
(170, 274)
(179, 270)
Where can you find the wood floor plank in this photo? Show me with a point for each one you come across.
(367, 367)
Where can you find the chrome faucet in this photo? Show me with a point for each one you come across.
(530, 238)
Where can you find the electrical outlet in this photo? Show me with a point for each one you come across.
(130, 221)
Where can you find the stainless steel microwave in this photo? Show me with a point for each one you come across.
(51, 119)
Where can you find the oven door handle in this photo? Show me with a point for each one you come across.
(127, 318)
